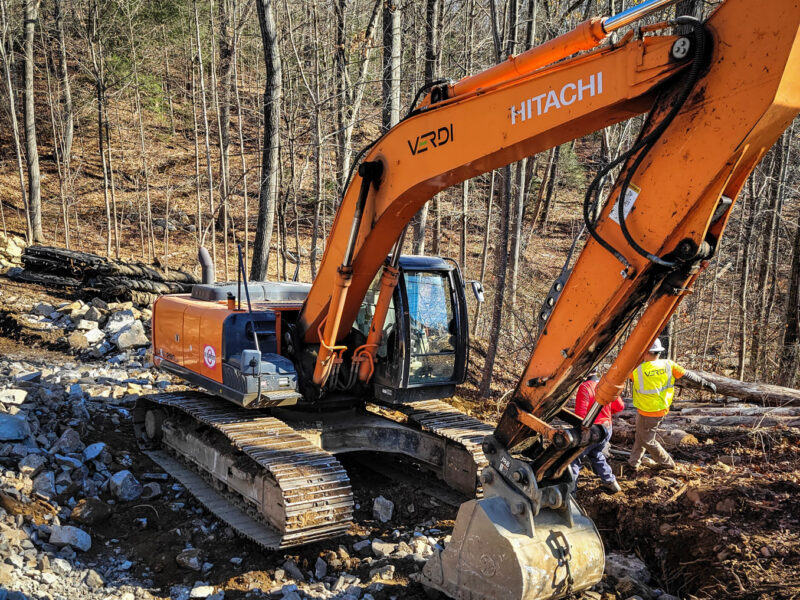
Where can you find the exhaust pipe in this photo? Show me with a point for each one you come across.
(207, 267)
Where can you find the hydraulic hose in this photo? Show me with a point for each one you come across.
(640, 150)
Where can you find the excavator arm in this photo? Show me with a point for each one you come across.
(717, 98)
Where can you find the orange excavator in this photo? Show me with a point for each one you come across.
(361, 359)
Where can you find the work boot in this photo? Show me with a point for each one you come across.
(649, 462)
(665, 466)
(611, 487)
(634, 469)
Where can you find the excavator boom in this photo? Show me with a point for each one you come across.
(718, 97)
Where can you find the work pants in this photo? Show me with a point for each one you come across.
(597, 459)
(646, 428)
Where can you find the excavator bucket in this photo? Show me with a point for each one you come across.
(498, 552)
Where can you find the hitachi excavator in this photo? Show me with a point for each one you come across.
(360, 359)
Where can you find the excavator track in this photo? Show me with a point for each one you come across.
(289, 493)
(446, 421)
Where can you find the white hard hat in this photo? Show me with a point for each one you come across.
(657, 346)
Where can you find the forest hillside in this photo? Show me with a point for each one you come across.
(143, 129)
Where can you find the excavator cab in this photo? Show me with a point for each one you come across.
(424, 348)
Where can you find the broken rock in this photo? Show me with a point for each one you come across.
(382, 509)
(619, 566)
(94, 580)
(150, 491)
(119, 321)
(382, 549)
(293, 570)
(45, 484)
(69, 442)
(93, 451)
(67, 535)
(124, 486)
(43, 309)
(90, 511)
(190, 559)
(32, 464)
(386, 573)
(13, 428)
(132, 336)
(13, 396)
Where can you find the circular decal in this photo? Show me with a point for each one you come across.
(210, 356)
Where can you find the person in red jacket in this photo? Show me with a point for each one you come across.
(583, 401)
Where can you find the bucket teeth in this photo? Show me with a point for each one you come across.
(492, 555)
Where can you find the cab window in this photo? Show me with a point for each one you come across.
(432, 327)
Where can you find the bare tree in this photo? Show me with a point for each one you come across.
(501, 249)
(209, 173)
(392, 33)
(31, 149)
(268, 186)
(66, 86)
(432, 13)
(12, 106)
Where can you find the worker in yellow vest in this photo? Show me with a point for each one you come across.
(653, 390)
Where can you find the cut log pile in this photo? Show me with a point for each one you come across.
(99, 276)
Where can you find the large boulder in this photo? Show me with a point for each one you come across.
(132, 336)
(119, 321)
(13, 429)
(620, 566)
(67, 535)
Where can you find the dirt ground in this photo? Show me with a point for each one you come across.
(725, 524)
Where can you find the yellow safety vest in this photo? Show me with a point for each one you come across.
(653, 386)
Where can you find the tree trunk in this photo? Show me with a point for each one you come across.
(57, 141)
(245, 198)
(209, 173)
(14, 124)
(66, 87)
(167, 85)
(151, 243)
(392, 38)
(485, 252)
(342, 95)
(790, 351)
(98, 68)
(269, 157)
(551, 184)
(199, 215)
(31, 149)
(758, 393)
(432, 11)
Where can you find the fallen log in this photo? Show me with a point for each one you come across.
(739, 421)
(721, 411)
(758, 393)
